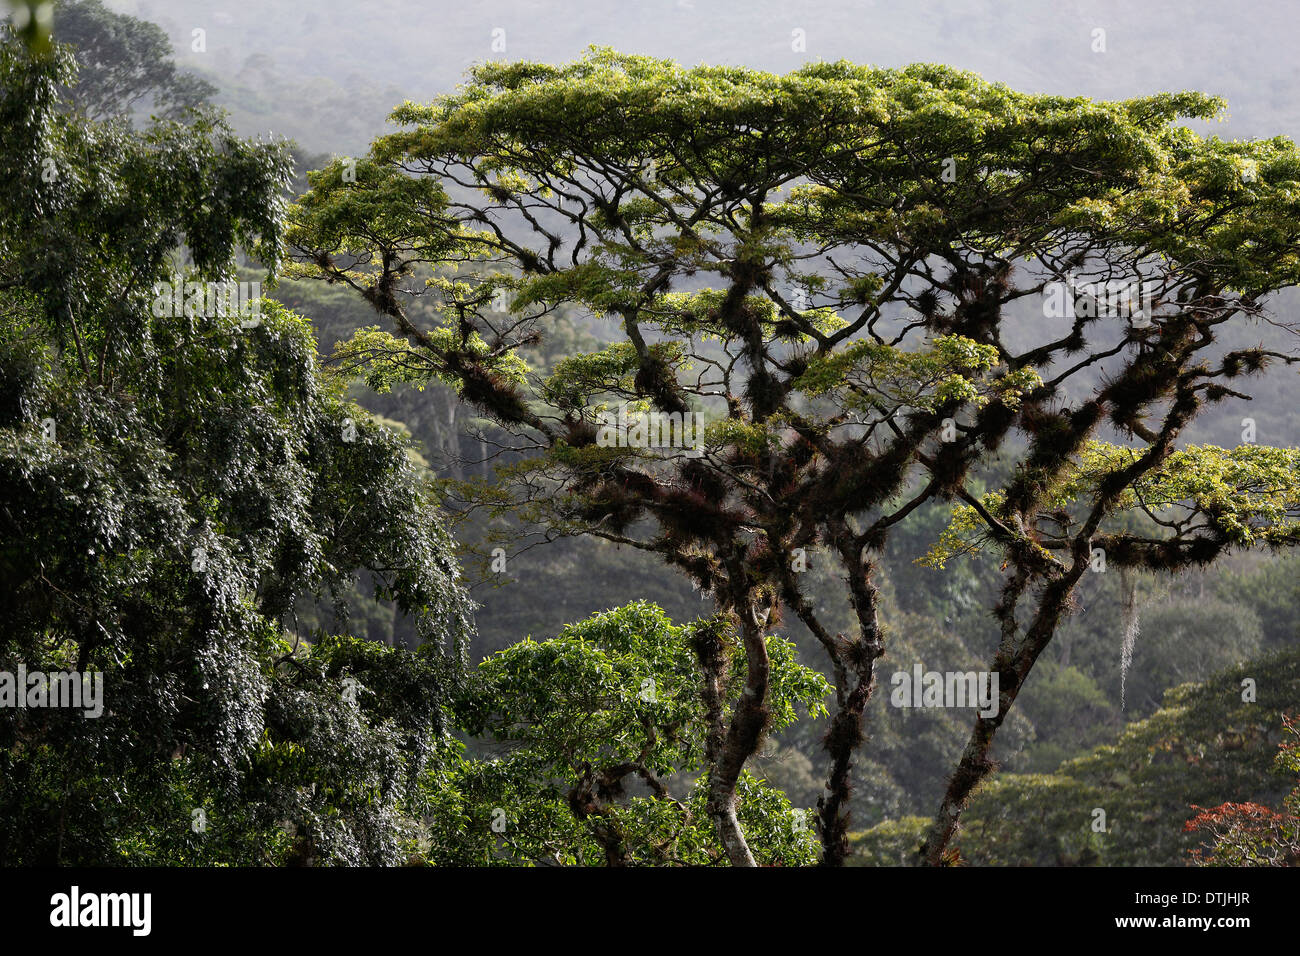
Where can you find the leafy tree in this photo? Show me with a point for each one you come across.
(1069, 712)
(1188, 642)
(821, 263)
(1272, 592)
(606, 731)
(172, 484)
(1247, 834)
(121, 61)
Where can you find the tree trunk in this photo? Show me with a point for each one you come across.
(1012, 670)
(841, 741)
(974, 766)
(853, 660)
(727, 752)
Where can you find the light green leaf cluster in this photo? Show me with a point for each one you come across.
(1250, 493)
(578, 381)
(618, 695)
(964, 533)
(870, 374)
(384, 359)
(750, 437)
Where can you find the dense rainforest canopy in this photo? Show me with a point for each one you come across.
(948, 347)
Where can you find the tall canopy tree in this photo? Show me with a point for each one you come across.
(823, 264)
(174, 485)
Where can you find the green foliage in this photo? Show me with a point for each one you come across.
(122, 60)
(604, 732)
(913, 749)
(822, 263)
(1243, 496)
(1070, 713)
(1251, 493)
(172, 487)
(1204, 745)
(1271, 591)
(947, 374)
(181, 433)
(1189, 640)
(890, 842)
(1248, 834)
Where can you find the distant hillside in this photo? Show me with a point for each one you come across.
(1205, 746)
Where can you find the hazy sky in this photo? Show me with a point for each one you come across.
(1248, 51)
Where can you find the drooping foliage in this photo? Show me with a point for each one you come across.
(173, 486)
